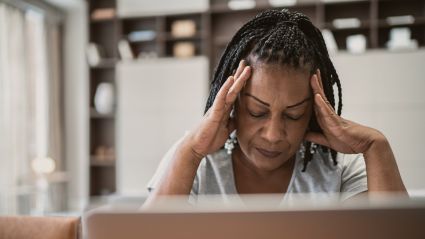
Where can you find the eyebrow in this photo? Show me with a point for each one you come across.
(267, 104)
(300, 103)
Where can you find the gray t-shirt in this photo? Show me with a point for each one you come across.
(322, 177)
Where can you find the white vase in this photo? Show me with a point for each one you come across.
(104, 98)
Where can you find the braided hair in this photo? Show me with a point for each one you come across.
(286, 38)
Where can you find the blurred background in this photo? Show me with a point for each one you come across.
(93, 93)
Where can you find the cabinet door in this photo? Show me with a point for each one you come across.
(158, 100)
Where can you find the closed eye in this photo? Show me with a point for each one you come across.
(292, 117)
(256, 115)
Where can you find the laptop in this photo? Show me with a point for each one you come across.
(259, 217)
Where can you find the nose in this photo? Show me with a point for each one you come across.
(273, 130)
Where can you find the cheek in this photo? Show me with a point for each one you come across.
(246, 127)
(297, 129)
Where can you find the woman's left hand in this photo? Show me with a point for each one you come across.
(338, 133)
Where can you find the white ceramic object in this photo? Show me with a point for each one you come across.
(330, 41)
(93, 52)
(356, 43)
(400, 39)
(104, 98)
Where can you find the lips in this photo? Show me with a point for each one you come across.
(268, 153)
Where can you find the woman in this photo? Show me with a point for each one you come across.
(272, 106)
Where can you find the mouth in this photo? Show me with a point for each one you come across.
(268, 153)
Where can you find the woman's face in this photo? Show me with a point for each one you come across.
(272, 114)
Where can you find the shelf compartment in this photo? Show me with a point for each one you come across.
(170, 47)
(341, 35)
(104, 34)
(138, 24)
(102, 133)
(196, 19)
(344, 10)
(145, 47)
(102, 181)
(388, 8)
(417, 33)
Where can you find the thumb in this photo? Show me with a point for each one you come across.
(317, 138)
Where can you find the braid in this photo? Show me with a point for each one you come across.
(286, 38)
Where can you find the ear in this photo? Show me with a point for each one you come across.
(233, 113)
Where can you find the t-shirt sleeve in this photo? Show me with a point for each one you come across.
(354, 177)
(162, 168)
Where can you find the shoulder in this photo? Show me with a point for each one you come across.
(322, 175)
(323, 162)
(219, 158)
(320, 172)
(218, 162)
(215, 174)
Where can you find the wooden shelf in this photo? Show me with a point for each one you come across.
(417, 22)
(169, 37)
(103, 20)
(363, 25)
(95, 161)
(144, 41)
(96, 115)
(106, 63)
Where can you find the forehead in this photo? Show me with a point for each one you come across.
(277, 84)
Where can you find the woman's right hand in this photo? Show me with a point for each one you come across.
(215, 127)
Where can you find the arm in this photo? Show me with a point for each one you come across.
(381, 167)
(179, 175)
(208, 137)
(349, 137)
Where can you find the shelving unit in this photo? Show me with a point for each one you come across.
(158, 38)
(213, 30)
(104, 33)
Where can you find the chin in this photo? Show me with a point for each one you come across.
(268, 163)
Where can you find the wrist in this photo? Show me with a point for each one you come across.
(189, 147)
(378, 143)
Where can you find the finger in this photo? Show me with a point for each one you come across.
(241, 67)
(238, 85)
(317, 138)
(324, 112)
(319, 77)
(316, 85)
(220, 100)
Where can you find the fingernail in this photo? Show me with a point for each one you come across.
(317, 98)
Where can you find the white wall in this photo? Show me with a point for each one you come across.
(158, 100)
(385, 90)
